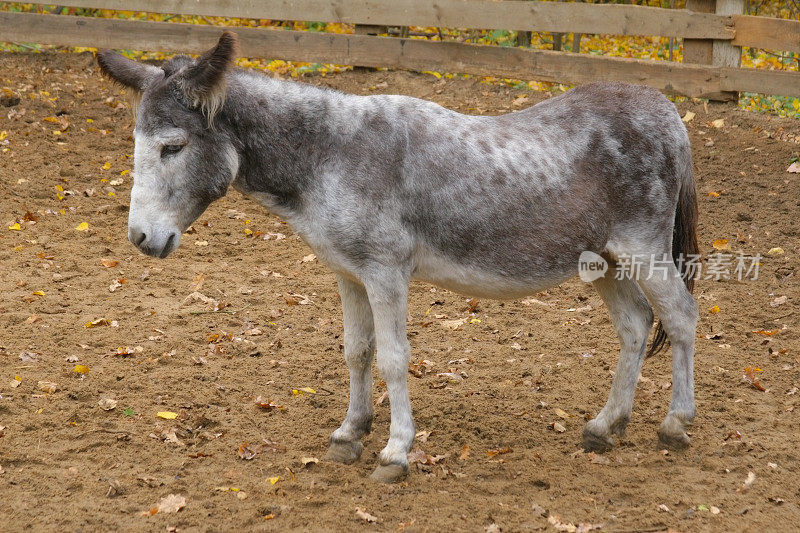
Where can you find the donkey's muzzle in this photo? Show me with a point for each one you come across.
(154, 243)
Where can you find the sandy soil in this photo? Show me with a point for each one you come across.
(67, 463)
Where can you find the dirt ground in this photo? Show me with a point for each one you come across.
(69, 461)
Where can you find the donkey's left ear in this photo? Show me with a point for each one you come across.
(203, 81)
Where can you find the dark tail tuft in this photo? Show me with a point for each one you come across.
(684, 242)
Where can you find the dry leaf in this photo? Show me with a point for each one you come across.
(464, 455)
(363, 515)
(309, 461)
(794, 168)
(109, 263)
(719, 123)
(721, 245)
(107, 404)
(167, 415)
(29, 357)
(688, 117)
(751, 478)
(171, 503)
(48, 387)
(775, 251)
(562, 414)
(558, 427)
(247, 453)
(780, 300)
(498, 451)
(309, 258)
(751, 376)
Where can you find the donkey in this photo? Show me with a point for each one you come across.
(385, 189)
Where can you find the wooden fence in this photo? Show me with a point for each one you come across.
(714, 31)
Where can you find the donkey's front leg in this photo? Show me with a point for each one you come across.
(389, 299)
(359, 347)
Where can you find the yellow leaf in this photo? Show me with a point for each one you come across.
(81, 369)
(719, 123)
(106, 166)
(721, 244)
(301, 390)
(714, 310)
(98, 322)
(713, 194)
(3, 135)
(167, 415)
(274, 480)
(38, 293)
(775, 251)
(126, 171)
(688, 117)
(15, 226)
(83, 226)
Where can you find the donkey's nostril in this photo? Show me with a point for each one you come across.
(136, 237)
(139, 239)
(168, 247)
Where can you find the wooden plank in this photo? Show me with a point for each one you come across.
(699, 51)
(482, 14)
(412, 54)
(780, 82)
(765, 32)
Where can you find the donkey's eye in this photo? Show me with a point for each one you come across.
(171, 149)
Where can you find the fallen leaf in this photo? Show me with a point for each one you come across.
(171, 503)
(780, 300)
(98, 322)
(454, 324)
(751, 376)
(464, 455)
(29, 357)
(775, 251)
(363, 515)
(558, 427)
(274, 480)
(498, 451)
(167, 415)
(714, 310)
(562, 414)
(751, 478)
(83, 226)
(421, 457)
(48, 387)
(794, 168)
(688, 117)
(198, 281)
(266, 405)
(107, 404)
(719, 123)
(15, 227)
(662, 507)
(721, 245)
(309, 258)
(247, 453)
(309, 461)
(80, 369)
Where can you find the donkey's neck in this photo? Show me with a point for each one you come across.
(283, 133)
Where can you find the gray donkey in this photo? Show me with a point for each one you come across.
(385, 189)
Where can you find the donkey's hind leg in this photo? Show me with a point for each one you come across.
(359, 348)
(677, 310)
(632, 318)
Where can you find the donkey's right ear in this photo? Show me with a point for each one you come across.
(125, 71)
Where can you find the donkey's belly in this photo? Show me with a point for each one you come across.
(472, 280)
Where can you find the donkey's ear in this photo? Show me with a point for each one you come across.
(204, 80)
(126, 71)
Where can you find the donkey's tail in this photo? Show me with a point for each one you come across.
(684, 243)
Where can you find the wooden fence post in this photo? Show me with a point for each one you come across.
(714, 52)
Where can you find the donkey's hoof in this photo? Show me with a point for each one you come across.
(671, 434)
(594, 440)
(391, 473)
(346, 452)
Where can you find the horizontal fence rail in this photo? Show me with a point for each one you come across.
(557, 17)
(415, 54)
(451, 56)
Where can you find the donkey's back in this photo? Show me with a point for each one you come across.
(503, 206)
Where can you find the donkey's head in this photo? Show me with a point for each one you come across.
(182, 162)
